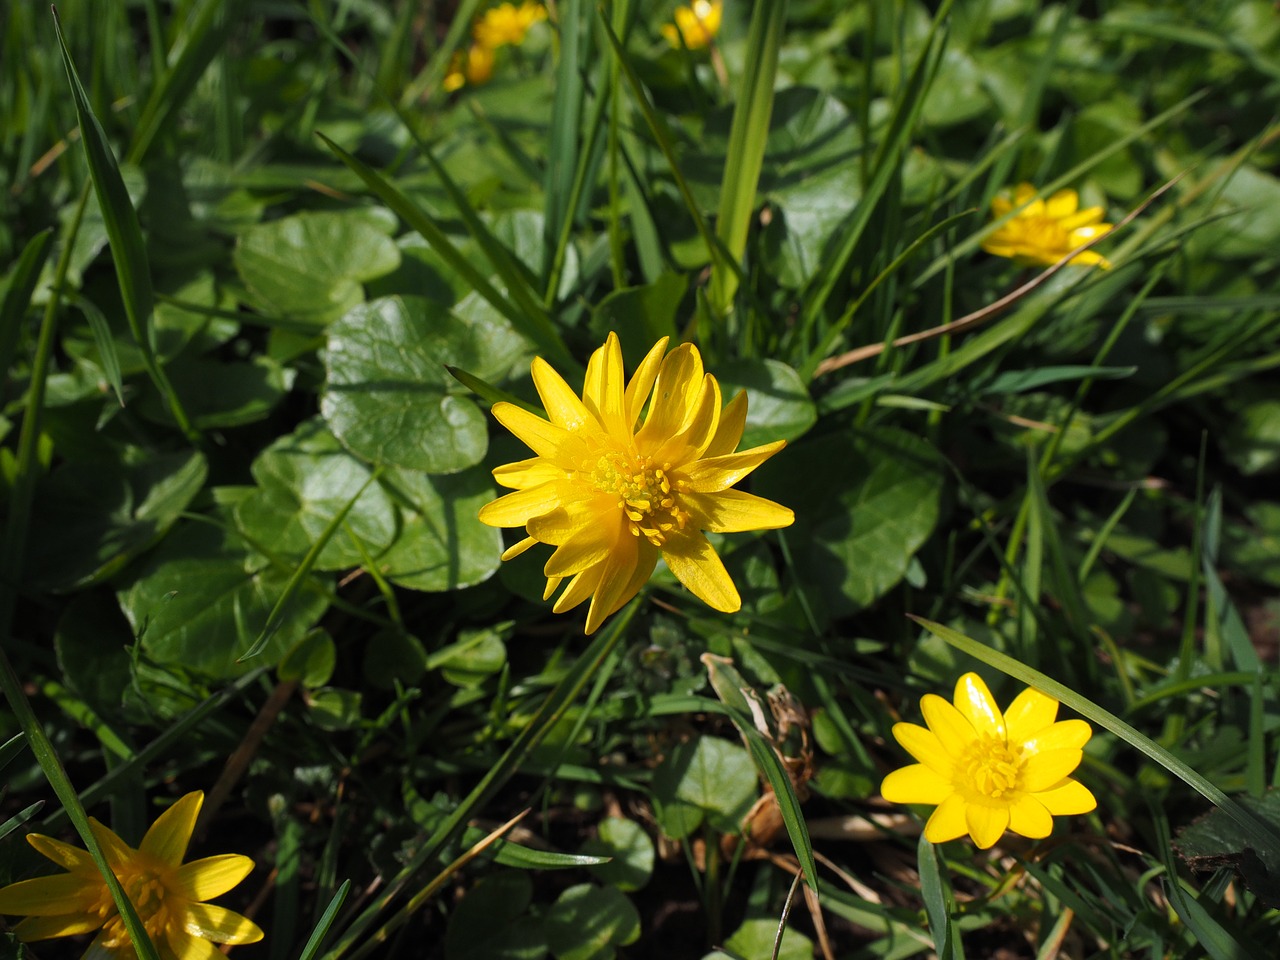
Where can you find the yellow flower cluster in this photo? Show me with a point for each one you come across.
(168, 894)
(501, 26)
(696, 25)
(612, 494)
(1045, 231)
(990, 771)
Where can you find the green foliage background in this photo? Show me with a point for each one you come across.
(240, 258)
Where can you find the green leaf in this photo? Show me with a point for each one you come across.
(224, 393)
(640, 316)
(630, 848)
(199, 601)
(707, 778)
(490, 922)
(511, 854)
(1214, 842)
(92, 643)
(586, 922)
(311, 661)
(754, 940)
(853, 540)
(387, 394)
(305, 479)
(442, 545)
(325, 922)
(778, 403)
(310, 266)
(92, 517)
(1016, 381)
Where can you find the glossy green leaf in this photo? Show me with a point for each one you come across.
(387, 395)
(305, 479)
(706, 778)
(778, 403)
(588, 922)
(631, 853)
(310, 266)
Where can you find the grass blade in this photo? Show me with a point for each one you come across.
(17, 296)
(128, 249)
(748, 136)
(536, 326)
(325, 922)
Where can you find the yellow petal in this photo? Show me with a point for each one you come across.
(1084, 218)
(1029, 818)
(212, 876)
(697, 429)
(976, 704)
(553, 584)
(1024, 193)
(167, 838)
(1068, 799)
(543, 438)
(590, 545)
(646, 560)
(98, 950)
(63, 854)
(733, 420)
(211, 922)
(695, 563)
(52, 896)
(518, 508)
(615, 578)
(1030, 712)
(642, 382)
(1047, 768)
(947, 822)
(925, 746)
(713, 474)
(185, 946)
(915, 784)
(523, 474)
(1066, 735)
(677, 387)
(949, 724)
(565, 522)
(604, 388)
(64, 925)
(117, 852)
(579, 589)
(1062, 204)
(986, 823)
(518, 548)
(732, 511)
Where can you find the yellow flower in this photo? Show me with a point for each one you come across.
(698, 24)
(611, 498)
(507, 24)
(473, 66)
(1045, 231)
(167, 893)
(990, 772)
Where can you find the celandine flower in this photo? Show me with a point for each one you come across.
(697, 23)
(472, 66)
(1045, 231)
(507, 24)
(990, 772)
(612, 495)
(167, 893)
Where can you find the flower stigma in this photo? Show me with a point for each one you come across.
(646, 494)
(991, 767)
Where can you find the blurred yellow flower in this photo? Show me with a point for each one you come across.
(507, 24)
(473, 66)
(167, 893)
(698, 24)
(989, 772)
(612, 498)
(1045, 231)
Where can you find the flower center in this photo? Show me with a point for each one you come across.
(147, 891)
(991, 767)
(646, 495)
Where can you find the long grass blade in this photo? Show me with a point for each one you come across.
(128, 249)
(748, 136)
(17, 296)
